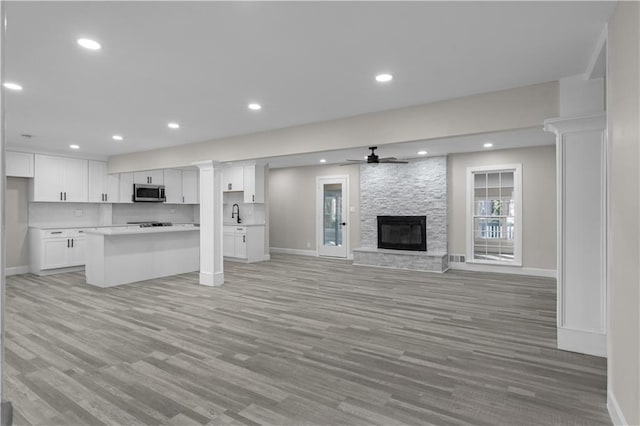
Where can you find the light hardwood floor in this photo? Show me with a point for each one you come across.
(295, 341)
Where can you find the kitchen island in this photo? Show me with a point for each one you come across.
(122, 255)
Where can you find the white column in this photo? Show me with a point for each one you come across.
(581, 226)
(211, 260)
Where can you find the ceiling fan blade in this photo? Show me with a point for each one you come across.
(387, 158)
(394, 161)
(352, 162)
(356, 161)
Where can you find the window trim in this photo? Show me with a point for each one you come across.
(518, 217)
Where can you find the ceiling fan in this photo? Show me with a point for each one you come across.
(374, 159)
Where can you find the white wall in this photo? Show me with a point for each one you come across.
(523, 107)
(624, 213)
(292, 205)
(538, 200)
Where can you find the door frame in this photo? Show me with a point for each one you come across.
(320, 181)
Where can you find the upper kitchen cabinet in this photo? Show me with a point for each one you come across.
(19, 164)
(60, 179)
(126, 188)
(190, 187)
(173, 186)
(181, 186)
(233, 179)
(254, 184)
(149, 177)
(103, 188)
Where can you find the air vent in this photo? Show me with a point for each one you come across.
(456, 258)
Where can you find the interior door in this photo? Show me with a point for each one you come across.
(331, 219)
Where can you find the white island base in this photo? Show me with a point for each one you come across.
(116, 256)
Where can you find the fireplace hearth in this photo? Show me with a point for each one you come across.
(402, 233)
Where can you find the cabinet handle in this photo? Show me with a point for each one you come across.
(68, 243)
(183, 198)
(244, 238)
(72, 243)
(102, 197)
(60, 196)
(253, 198)
(65, 196)
(229, 185)
(106, 197)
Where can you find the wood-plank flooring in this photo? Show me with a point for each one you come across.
(295, 341)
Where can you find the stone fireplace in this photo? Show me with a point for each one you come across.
(416, 189)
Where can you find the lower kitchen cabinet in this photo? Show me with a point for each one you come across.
(51, 249)
(244, 243)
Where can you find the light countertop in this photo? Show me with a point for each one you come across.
(242, 224)
(48, 228)
(137, 230)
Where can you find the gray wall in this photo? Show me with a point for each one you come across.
(292, 205)
(538, 200)
(624, 210)
(16, 217)
(415, 189)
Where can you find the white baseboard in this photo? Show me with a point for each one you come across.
(615, 413)
(499, 269)
(16, 270)
(584, 342)
(293, 251)
(211, 279)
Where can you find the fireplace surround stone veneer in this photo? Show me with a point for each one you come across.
(418, 188)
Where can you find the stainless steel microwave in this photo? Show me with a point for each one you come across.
(148, 193)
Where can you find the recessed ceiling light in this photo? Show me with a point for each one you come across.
(488, 145)
(383, 78)
(322, 160)
(12, 86)
(117, 138)
(255, 107)
(89, 44)
(422, 152)
(173, 125)
(74, 146)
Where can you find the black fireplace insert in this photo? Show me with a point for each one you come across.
(402, 232)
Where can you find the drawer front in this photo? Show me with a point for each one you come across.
(56, 233)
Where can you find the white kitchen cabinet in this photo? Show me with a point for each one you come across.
(244, 243)
(126, 188)
(190, 187)
(113, 188)
(19, 164)
(53, 249)
(97, 181)
(228, 241)
(233, 179)
(173, 186)
(254, 184)
(181, 186)
(149, 177)
(60, 179)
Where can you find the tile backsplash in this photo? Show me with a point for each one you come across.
(94, 214)
(249, 212)
(139, 212)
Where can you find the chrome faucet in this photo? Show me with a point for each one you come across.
(235, 212)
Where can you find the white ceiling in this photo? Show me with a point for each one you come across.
(201, 63)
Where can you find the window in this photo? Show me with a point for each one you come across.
(494, 215)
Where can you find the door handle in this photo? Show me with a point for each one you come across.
(344, 224)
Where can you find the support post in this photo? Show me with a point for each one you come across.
(211, 257)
